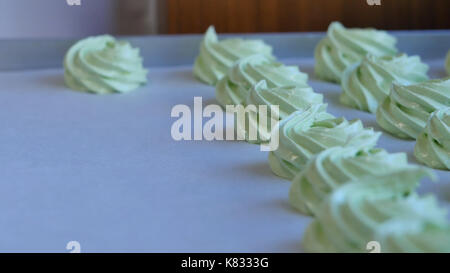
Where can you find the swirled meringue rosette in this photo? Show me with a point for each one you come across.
(302, 135)
(288, 99)
(233, 89)
(343, 47)
(433, 144)
(336, 166)
(216, 57)
(102, 65)
(379, 209)
(407, 109)
(365, 85)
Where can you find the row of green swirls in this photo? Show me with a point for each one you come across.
(377, 79)
(365, 61)
(398, 90)
(409, 105)
(421, 112)
(356, 192)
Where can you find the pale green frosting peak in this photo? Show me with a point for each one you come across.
(343, 47)
(288, 99)
(305, 134)
(336, 166)
(233, 89)
(376, 209)
(367, 84)
(407, 109)
(216, 57)
(433, 144)
(103, 65)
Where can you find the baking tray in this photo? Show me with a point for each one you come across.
(104, 170)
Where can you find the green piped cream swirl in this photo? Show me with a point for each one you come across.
(343, 47)
(407, 109)
(336, 166)
(233, 89)
(289, 99)
(305, 134)
(378, 209)
(367, 84)
(433, 144)
(103, 65)
(216, 57)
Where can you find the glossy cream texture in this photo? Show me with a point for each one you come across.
(216, 57)
(367, 84)
(407, 109)
(233, 89)
(377, 209)
(303, 135)
(288, 99)
(102, 65)
(433, 144)
(343, 47)
(336, 166)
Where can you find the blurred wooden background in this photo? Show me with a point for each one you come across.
(194, 16)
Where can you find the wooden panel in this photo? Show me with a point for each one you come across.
(194, 16)
(268, 16)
